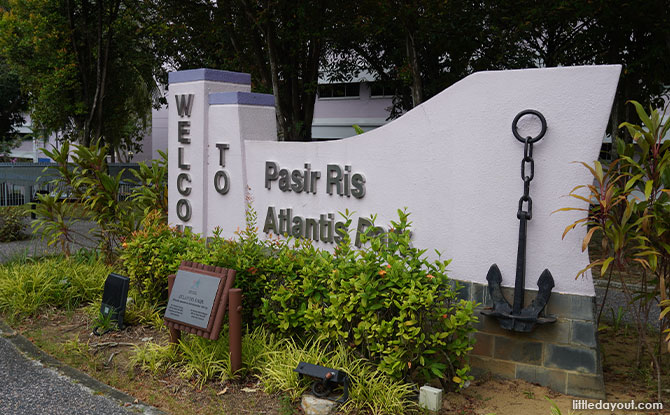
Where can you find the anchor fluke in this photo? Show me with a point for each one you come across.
(529, 317)
(494, 277)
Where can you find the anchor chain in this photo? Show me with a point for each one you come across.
(527, 160)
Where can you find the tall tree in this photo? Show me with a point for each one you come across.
(636, 35)
(280, 42)
(419, 47)
(584, 32)
(13, 105)
(87, 66)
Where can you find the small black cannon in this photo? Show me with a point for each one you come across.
(326, 380)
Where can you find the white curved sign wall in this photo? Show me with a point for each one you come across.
(452, 162)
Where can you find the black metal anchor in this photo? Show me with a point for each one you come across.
(516, 317)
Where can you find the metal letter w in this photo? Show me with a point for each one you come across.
(184, 104)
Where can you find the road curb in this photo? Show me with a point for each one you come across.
(28, 349)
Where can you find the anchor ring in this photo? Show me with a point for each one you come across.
(536, 113)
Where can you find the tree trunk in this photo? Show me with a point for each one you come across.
(272, 57)
(614, 125)
(295, 91)
(416, 87)
(96, 110)
(311, 78)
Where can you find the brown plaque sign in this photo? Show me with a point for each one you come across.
(198, 298)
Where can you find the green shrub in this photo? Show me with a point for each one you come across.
(151, 190)
(83, 176)
(28, 288)
(154, 252)
(250, 258)
(55, 220)
(387, 301)
(295, 284)
(398, 309)
(12, 224)
(87, 181)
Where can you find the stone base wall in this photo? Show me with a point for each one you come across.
(564, 356)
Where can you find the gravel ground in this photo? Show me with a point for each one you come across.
(29, 388)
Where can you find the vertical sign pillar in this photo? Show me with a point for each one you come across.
(187, 140)
(234, 118)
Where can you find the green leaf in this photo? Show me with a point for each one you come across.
(643, 115)
(599, 171)
(648, 187)
(606, 264)
(631, 182)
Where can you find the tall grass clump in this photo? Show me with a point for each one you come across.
(29, 287)
(154, 358)
(202, 360)
(371, 390)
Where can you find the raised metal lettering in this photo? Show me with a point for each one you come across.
(221, 174)
(222, 153)
(184, 104)
(184, 205)
(183, 130)
(180, 159)
(271, 172)
(183, 177)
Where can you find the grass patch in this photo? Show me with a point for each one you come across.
(27, 287)
(272, 362)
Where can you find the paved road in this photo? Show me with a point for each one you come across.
(29, 388)
(35, 247)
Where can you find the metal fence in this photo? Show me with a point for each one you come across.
(21, 182)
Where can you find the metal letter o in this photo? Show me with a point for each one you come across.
(217, 182)
(181, 205)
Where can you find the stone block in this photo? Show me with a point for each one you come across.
(517, 350)
(554, 379)
(430, 398)
(589, 386)
(483, 345)
(500, 368)
(464, 292)
(312, 405)
(508, 292)
(584, 333)
(558, 332)
(583, 307)
(488, 324)
(560, 305)
(480, 295)
(571, 358)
